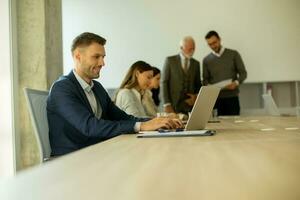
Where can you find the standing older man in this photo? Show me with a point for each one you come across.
(80, 112)
(224, 64)
(181, 79)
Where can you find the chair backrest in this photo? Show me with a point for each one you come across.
(111, 92)
(37, 101)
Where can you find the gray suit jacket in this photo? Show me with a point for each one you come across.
(172, 82)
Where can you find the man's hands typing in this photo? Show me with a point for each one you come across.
(161, 122)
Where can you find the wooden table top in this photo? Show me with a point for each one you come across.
(249, 158)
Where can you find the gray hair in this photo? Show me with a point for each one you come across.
(185, 39)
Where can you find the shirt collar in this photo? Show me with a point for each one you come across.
(182, 57)
(85, 86)
(220, 53)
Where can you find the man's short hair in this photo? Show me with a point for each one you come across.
(212, 33)
(85, 39)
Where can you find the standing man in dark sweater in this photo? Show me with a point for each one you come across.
(223, 64)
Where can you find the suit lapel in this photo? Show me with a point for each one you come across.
(179, 66)
(191, 65)
(98, 94)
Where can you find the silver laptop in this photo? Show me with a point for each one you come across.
(203, 107)
(198, 118)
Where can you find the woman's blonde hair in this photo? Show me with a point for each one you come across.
(130, 81)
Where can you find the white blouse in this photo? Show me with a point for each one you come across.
(149, 104)
(130, 101)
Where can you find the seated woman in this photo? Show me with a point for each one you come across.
(132, 90)
(151, 97)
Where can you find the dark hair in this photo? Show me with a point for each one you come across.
(155, 91)
(130, 80)
(155, 96)
(155, 71)
(212, 33)
(85, 39)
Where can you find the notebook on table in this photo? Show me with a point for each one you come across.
(198, 119)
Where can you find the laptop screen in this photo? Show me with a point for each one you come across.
(203, 107)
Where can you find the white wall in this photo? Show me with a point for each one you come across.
(266, 33)
(6, 96)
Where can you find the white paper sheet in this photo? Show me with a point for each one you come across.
(222, 84)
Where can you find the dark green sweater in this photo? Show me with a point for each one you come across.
(228, 66)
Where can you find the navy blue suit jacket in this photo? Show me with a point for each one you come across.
(72, 123)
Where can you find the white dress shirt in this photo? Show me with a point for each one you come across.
(182, 58)
(96, 107)
(220, 53)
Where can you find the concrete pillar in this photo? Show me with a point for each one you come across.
(39, 37)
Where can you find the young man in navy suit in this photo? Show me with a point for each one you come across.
(80, 112)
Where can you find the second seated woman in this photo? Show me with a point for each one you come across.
(130, 96)
(151, 97)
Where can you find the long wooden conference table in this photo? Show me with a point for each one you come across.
(249, 158)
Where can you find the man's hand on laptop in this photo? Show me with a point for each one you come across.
(161, 122)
